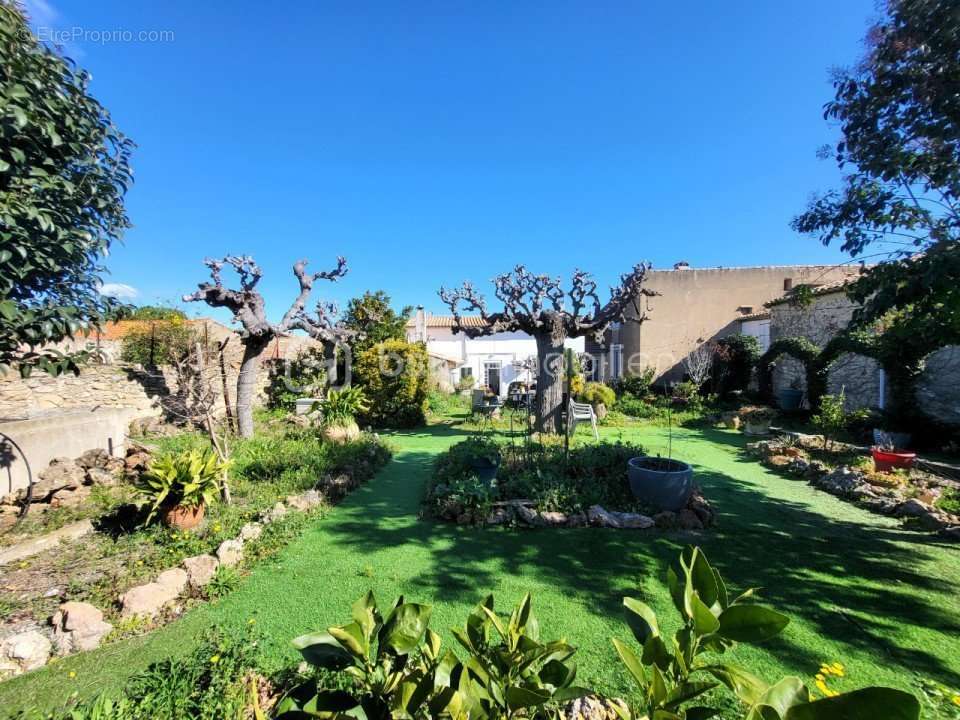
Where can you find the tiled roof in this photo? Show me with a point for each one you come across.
(825, 289)
(447, 321)
(762, 315)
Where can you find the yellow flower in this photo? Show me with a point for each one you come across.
(72, 674)
(819, 677)
(217, 527)
(251, 621)
(215, 659)
(838, 669)
(955, 700)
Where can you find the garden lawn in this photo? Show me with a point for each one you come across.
(883, 601)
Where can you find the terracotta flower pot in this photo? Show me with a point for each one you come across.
(183, 518)
(341, 433)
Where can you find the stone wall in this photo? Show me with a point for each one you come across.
(96, 386)
(860, 377)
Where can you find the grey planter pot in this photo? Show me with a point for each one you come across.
(662, 483)
(485, 469)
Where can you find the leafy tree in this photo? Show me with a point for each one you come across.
(156, 312)
(371, 316)
(157, 342)
(64, 171)
(899, 117)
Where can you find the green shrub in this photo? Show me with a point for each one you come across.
(393, 375)
(949, 501)
(398, 670)
(633, 406)
(597, 393)
(304, 376)
(157, 342)
(590, 475)
(672, 675)
(636, 384)
(734, 359)
(442, 403)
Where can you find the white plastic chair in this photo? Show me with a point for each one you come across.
(581, 412)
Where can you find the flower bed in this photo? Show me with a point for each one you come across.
(127, 578)
(923, 500)
(537, 486)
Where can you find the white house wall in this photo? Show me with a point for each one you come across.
(507, 348)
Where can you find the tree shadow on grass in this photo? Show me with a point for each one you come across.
(851, 578)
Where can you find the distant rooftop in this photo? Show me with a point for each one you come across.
(448, 321)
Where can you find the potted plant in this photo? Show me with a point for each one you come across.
(757, 419)
(661, 482)
(178, 487)
(484, 459)
(340, 411)
(791, 397)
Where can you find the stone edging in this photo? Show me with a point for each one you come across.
(851, 484)
(697, 515)
(79, 626)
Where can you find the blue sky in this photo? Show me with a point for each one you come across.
(441, 141)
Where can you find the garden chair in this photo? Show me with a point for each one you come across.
(581, 412)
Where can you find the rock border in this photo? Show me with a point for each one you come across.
(79, 626)
(697, 515)
(850, 484)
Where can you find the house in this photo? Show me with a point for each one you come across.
(493, 361)
(862, 379)
(696, 305)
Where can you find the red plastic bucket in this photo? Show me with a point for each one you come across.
(887, 460)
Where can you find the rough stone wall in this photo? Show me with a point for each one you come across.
(818, 321)
(97, 385)
(938, 389)
(130, 386)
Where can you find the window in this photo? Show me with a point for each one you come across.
(616, 361)
(466, 372)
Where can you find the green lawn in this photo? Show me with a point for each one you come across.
(883, 601)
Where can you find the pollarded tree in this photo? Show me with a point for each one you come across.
(64, 171)
(538, 306)
(256, 331)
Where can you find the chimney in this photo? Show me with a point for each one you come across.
(420, 327)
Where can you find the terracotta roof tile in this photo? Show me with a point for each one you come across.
(447, 321)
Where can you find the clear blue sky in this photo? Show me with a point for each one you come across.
(442, 141)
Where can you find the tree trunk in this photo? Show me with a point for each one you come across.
(549, 399)
(247, 385)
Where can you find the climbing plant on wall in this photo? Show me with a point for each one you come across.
(797, 347)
